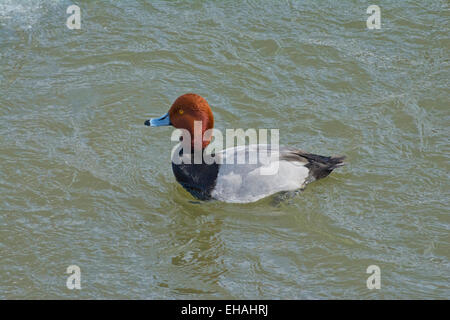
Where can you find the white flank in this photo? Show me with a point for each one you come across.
(243, 183)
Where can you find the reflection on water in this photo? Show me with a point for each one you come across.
(83, 182)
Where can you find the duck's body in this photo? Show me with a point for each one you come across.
(228, 181)
(282, 169)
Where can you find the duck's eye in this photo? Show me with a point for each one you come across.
(180, 111)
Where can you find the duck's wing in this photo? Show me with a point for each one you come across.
(282, 169)
(247, 181)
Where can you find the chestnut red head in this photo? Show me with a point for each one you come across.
(184, 111)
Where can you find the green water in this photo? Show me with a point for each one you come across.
(84, 182)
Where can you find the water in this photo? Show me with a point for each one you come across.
(84, 182)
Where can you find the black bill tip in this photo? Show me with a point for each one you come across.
(147, 123)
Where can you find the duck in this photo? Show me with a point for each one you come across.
(228, 181)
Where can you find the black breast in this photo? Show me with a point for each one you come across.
(198, 179)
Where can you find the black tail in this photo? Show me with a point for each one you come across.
(321, 166)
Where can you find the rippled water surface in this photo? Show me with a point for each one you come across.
(84, 182)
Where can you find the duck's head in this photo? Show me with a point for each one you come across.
(184, 111)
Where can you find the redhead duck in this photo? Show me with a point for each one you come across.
(235, 182)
